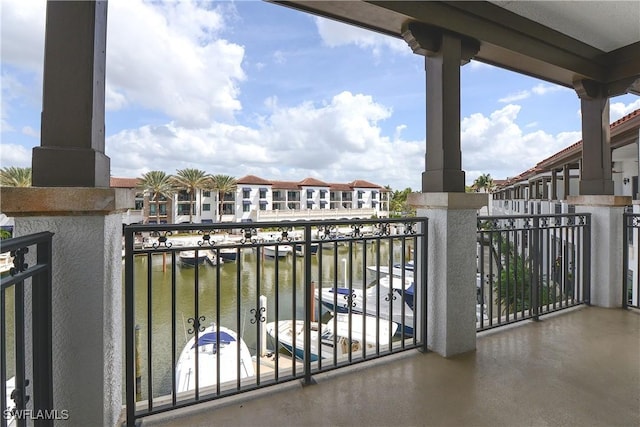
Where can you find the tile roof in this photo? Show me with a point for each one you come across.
(253, 180)
(285, 185)
(340, 187)
(360, 183)
(312, 182)
(123, 182)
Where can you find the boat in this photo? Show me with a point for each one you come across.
(281, 251)
(333, 335)
(215, 345)
(188, 258)
(300, 248)
(393, 296)
(402, 294)
(228, 254)
(396, 270)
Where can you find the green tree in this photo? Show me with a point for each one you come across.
(13, 176)
(483, 182)
(223, 184)
(156, 184)
(191, 180)
(398, 204)
(514, 290)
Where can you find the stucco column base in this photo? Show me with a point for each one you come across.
(451, 263)
(606, 245)
(86, 292)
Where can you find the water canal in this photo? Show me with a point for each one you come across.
(239, 286)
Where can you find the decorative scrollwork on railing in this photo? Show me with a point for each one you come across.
(526, 222)
(258, 315)
(206, 238)
(410, 228)
(383, 229)
(350, 300)
(544, 222)
(163, 240)
(18, 261)
(356, 230)
(197, 324)
(326, 231)
(390, 296)
(634, 221)
(284, 234)
(571, 220)
(249, 235)
(582, 219)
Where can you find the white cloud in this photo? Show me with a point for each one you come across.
(14, 155)
(334, 34)
(618, 110)
(518, 96)
(165, 57)
(540, 89)
(29, 131)
(338, 141)
(23, 25)
(497, 145)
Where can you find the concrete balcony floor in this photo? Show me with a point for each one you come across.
(577, 368)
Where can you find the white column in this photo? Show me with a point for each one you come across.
(606, 246)
(451, 263)
(86, 293)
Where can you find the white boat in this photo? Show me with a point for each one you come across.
(396, 270)
(337, 300)
(333, 335)
(189, 259)
(210, 351)
(228, 254)
(281, 252)
(392, 290)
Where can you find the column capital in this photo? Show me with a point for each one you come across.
(64, 201)
(426, 40)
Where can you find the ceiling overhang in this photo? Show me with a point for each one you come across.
(507, 39)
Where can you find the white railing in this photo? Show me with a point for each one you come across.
(316, 214)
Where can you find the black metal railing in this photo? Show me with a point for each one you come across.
(630, 261)
(32, 395)
(529, 265)
(220, 309)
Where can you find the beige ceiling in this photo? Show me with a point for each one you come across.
(605, 25)
(558, 41)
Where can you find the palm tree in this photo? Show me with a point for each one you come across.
(222, 184)
(157, 183)
(12, 176)
(191, 180)
(484, 181)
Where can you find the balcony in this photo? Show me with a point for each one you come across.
(576, 368)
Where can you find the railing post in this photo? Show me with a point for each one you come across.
(535, 260)
(129, 328)
(586, 265)
(423, 283)
(626, 229)
(307, 304)
(42, 332)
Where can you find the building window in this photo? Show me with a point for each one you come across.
(309, 194)
(374, 195)
(206, 207)
(183, 209)
(309, 205)
(228, 209)
(206, 194)
(152, 209)
(246, 207)
(293, 196)
(229, 196)
(139, 204)
(246, 193)
(263, 206)
(360, 204)
(263, 193)
(360, 194)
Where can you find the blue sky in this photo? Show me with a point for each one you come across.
(250, 87)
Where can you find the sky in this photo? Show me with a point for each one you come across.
(249, 87)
